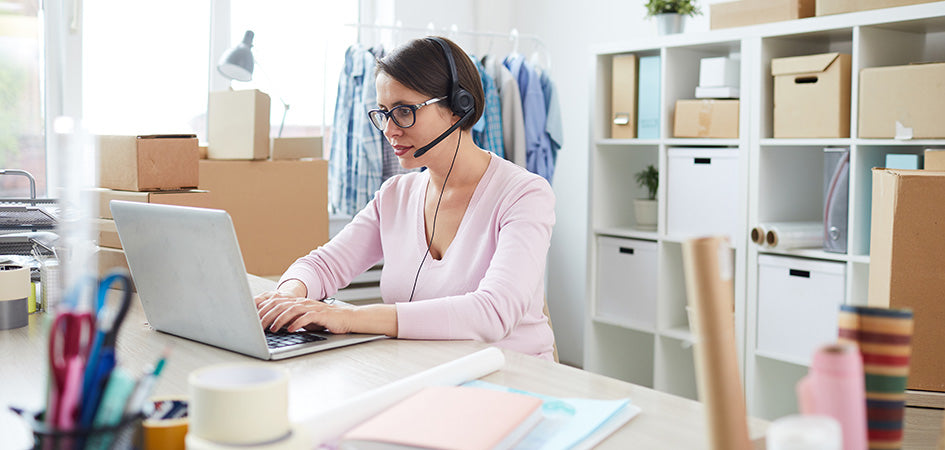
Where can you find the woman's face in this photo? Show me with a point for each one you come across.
(431, 120)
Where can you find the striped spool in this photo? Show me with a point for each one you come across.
(885, 339)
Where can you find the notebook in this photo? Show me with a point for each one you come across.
(187, 267)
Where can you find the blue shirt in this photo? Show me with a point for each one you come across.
(538, 157)
(487, 132)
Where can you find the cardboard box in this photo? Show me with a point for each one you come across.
(902, 102)
(825, 7)
(238, 125)
(109, 259)
(279, 208)
(623, 93)
(812, 96)
(202, 151)
(190, 197)
(752, 12)
(935, 159)
(296, 147)
(907, 256)
(143, 163)
(706, 118)
(106, 233)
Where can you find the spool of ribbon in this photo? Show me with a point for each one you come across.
(14, 294)
(885, 339)
(834, 387)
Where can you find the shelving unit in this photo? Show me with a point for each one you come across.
(777, 180)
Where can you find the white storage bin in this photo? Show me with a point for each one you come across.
(702, 198)
(626, 282)
(798, 305)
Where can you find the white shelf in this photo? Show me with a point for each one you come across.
(777, 179)
(627, 324)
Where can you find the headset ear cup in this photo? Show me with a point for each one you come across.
(462, 102)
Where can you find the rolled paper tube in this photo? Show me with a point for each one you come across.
(758, 235)
(834, 387)
(14, 295)
(711, 296)
(885, 339)
(794, 235)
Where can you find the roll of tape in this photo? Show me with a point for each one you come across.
(166, 427)
(14, 292)
(807, 432)
(239, 404)
(295, 439)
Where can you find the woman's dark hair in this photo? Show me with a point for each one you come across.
(421, 65)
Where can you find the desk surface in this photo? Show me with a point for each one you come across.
(326, 379)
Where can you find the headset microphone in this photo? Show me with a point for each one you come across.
(420, 151)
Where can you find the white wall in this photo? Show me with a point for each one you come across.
(568, 29)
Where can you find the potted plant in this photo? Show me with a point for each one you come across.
(645, 209)
(670, 14)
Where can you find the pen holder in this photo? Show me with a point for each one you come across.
(119, 436)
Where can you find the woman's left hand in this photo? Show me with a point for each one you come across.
(294, 314)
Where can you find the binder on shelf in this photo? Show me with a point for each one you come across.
(624, 97)
(836, 198)
(648, 109)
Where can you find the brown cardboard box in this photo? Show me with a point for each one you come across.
(913, 96)
(935, 159)
(142, 163)
(752, 12)
(279, 208)
(706, 118)
(110, 258)
(296, 147)
(238, 125)
(107, 233)
(191, 197)
(825, 7)
(623, 91)
(907, 257)
(812, 96)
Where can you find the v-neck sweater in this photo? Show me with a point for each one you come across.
(489, 284)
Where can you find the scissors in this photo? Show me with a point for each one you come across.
(69, 343)
(101, 360)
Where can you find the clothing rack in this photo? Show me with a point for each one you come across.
(514, 36)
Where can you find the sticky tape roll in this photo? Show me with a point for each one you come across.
(239, 404)
(166, 427)
(297, 439)
(14, 292)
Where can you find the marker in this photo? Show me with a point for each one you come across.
(145, 386)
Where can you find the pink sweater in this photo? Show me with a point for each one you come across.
(489, 285)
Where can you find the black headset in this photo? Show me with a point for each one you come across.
(461, 102)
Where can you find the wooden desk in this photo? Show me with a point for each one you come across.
(325, 379)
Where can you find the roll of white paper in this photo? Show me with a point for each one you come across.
(808, 432)
(327, 426)
(239, 404)
(785, 235)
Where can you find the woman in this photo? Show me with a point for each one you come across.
(464, 243)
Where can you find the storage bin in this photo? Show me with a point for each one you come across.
(626, 282)
(702, 196)
(798, 305)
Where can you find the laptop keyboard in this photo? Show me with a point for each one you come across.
(281, 339)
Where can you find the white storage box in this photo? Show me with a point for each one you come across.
(718, 71)
(702, 198)
(798, 305)
(626, 282)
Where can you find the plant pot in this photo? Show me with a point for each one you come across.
(645, 211)
(670, 23)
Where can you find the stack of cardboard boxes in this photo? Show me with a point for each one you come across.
(278, 201)
(153, 169)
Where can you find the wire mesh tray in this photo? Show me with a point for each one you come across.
(25, 214)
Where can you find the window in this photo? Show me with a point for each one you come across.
(22, 145)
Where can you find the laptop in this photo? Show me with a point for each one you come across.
(188, 269)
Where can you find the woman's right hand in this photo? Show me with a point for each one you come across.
(290, 290)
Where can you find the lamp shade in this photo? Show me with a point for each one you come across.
(237, 63)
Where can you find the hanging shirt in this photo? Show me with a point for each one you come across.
(538, 157)
(355, 166)
(487, 132)
(553, 120)
(510, 98)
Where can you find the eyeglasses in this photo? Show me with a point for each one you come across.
(404, 115)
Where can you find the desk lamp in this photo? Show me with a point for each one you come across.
(238, 63)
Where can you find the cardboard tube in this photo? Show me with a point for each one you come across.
(711, 296)
(14, 292)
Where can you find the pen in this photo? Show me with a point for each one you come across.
(145, 386)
